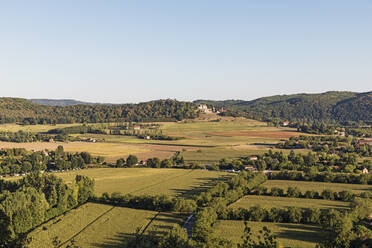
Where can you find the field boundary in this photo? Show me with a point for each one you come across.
(91, 223)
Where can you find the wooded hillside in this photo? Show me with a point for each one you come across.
(24, 111)
(333, 105)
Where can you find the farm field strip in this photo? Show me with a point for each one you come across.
(114, 226)
(173, 182)
(282, 202)
(289, 235)
(317, 186)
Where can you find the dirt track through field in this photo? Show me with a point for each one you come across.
(265, 134)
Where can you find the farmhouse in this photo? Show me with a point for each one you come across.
(253, 158)
(365, 141)
(365, 171)
(284, 123)
(250, 168)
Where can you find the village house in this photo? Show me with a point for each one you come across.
(250, 168)
(136, 127)
(284, 123)
(365, 141)
(253, 158)
(365, 171)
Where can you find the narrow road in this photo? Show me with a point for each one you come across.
(188, 225)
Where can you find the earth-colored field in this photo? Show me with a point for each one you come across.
(289, 235)
(140, 181)
(12, 127)
(282, 202)
(98, 225)
(318, 186)
(227, 138)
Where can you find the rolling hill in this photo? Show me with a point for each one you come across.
(334, 105)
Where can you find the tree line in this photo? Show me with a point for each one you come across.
(22, 111)
(27, 203)
(20, 161)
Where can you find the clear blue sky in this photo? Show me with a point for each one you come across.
(131, 51)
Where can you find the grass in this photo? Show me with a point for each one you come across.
(317, 186)
(289, 235)
(98, 225)
(12, 127)
(282, 202)
(230, 138)
(139, 181)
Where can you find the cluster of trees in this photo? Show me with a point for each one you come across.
(27, 203)
(156, 203)
(81, 129)
(215, 201)
(308, 162)
(316, 143)
(21, 137)
(18, 160)
(23, 111)
(322, 177)
(149, 134)
(328, 144)
(175, 161)
(280, 215)
(327, 194)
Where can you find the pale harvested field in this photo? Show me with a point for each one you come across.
(33, 128)
(228, 138)
(111, 151)
(262, 134)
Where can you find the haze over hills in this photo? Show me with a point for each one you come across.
(59, 102)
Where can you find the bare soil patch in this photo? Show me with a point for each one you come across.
(260, 134)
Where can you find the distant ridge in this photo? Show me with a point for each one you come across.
(339, 106)
(59, 102)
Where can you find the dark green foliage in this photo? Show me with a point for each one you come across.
(28, 113)
(329, 106)
(267, 240)
(37, 198)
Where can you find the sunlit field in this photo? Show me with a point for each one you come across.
(289, 235)
(283, 202)
(203, 140)
(317, 186)
(140, 181)
(98, 225)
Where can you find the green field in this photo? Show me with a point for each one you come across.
(227, 138)
(140, 181)
(282, 202)
(289, 235)
(317, 186)
(98, 225)
(12, 127)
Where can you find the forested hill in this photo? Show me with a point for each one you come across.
(26, 112)
(328, 106)
(59, 102)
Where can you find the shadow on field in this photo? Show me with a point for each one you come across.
(164, 223)
(203, 184)
(302, 233)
